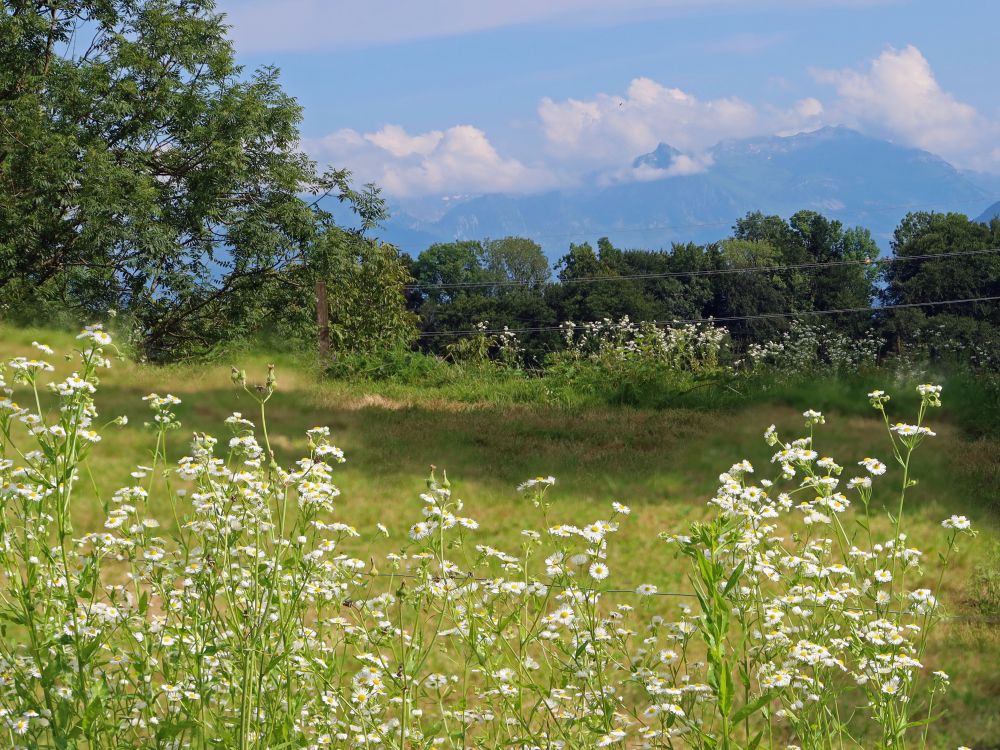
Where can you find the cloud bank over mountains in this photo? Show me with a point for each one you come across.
(899, 97)
(460, 159)
(894, 96)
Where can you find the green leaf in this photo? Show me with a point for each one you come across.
(926, 720)
(734, 578)
(726, 692)
(94, 709)
(751, 708)
(173, 728)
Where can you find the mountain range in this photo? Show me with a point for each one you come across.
(993, 212)
(670, 197)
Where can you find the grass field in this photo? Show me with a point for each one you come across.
(662, 463)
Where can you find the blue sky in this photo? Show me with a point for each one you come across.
(431, 97)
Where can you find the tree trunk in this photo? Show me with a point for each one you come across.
(323, 321)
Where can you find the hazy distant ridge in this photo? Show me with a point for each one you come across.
(835, 170)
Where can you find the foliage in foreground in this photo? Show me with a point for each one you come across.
(255, 622)
(142, 170)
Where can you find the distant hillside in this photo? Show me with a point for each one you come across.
(988, 182)
(993, 212)
(838, 171)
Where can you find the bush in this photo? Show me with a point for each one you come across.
(806, 348)
(693, 348)
(256, 622)
(636, 364)
(399, 364)
(485, 348)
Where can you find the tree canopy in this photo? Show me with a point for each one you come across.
(506, 282)
(143, 171)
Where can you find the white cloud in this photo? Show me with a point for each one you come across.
(459, 159)
(809, 107)
(609, 130)
(266, 25)
(681, 165)
(398, 142)
(605, 134)
(899, 96)
(598, 138)
(684, 164)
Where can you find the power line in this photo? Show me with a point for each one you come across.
(705, 272)
(727, 319)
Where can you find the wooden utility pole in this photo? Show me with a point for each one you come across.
(323, 321)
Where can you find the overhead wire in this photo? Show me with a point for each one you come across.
(724, 319)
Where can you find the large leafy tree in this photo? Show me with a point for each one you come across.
(805, 238)
(515, 259)
(449, 295)
(505, 282)
(364, 284)
(143, 170)
(810, 237)
(464, 283)
(827, 241)
(918, 281)
(746, 289)
(632, 283)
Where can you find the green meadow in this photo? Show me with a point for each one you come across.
(663, 463)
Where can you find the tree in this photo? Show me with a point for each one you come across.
(443, 300)
(364, 282)
(827, 242)
(367, 307)
(521, 299)
(515, 259)
(809, 237)
(577, 300)
(755, 292)
(652, 296)
(919, 281)
(500, 282)
(445, 269)
(142, 170)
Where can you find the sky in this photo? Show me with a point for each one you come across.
(455, 97)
